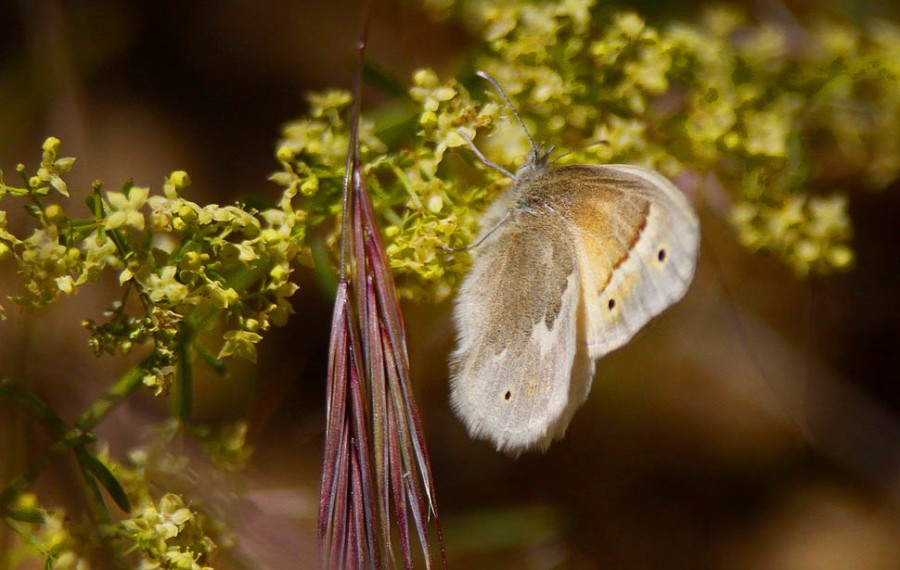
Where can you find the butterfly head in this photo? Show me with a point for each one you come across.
(534, 166)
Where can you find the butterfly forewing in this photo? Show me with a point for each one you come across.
(637, 240)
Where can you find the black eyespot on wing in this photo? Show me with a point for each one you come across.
(661, 256)
(611, 304)
(508, 395)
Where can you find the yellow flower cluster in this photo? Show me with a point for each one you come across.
(194, 267)
(809, 232)
(741, 104)
(418, 208)
(168, 535)
(448, 116)
(165, 531)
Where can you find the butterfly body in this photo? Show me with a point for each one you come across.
(573, 262)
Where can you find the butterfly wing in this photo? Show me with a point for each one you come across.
(594, 254)
(637, 239)
(517, 317)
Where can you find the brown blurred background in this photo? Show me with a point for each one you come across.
(755, 425)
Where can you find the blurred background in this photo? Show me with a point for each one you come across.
(754, 425)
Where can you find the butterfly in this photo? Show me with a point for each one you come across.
(571, 263)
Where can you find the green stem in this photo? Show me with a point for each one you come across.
(124, 386)
(184, 380)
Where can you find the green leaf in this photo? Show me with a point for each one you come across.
(96, 468)
(33, 210)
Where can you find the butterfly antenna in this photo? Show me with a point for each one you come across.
(482, 158)
(512, 108)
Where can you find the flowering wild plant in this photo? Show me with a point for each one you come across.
(756, 121)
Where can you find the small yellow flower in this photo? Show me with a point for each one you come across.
(220, 296)
(55, 214)
(159, 379)
(52, 167)
(241, 344)
(126, 210)
(333, 100)
(66, 284)
(163, 285)
(175, 183)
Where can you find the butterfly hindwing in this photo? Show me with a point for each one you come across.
(517, 319)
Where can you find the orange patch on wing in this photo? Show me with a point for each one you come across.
(606, 253)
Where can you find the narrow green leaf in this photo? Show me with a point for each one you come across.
(102, 474)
